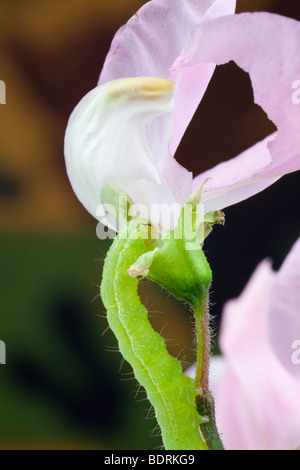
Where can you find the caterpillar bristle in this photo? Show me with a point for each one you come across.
(94, 284)
(97, 315)
(105, 331)
(96, 297)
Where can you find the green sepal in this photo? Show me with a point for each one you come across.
(180, 265)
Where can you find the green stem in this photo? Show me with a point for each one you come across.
(204, 401)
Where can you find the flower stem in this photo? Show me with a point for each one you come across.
(201, 313)
(205, 401)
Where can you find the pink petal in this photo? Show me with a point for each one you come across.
(152, 43)
(267, 47)
(237, 179)
(246, 315)
(257, 400)
(284, 313)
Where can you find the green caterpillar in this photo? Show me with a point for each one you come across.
(177, 263)
(171, 393)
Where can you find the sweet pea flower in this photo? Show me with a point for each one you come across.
(126, 131)
(258, 398)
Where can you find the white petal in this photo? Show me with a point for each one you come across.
(105, 139)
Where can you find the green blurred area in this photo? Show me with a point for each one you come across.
(65, 385)
(61, 386)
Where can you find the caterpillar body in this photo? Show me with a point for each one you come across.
(170, 392)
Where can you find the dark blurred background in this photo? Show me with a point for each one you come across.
(64, 385)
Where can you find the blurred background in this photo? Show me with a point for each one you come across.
(64, 385)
